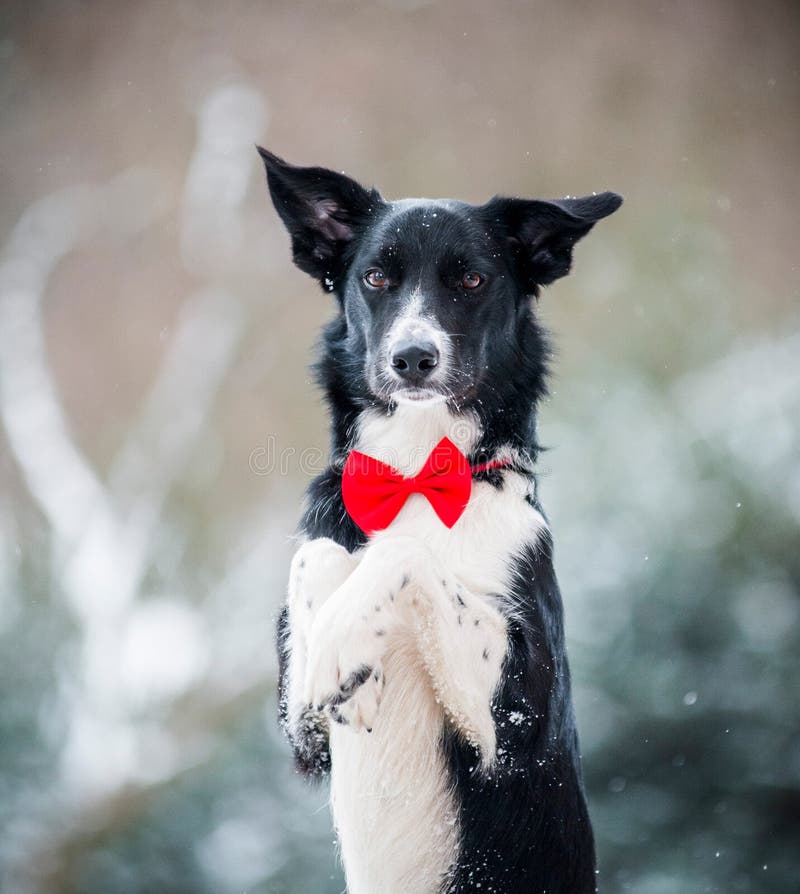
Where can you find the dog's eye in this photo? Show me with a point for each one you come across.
(472, 281)
(376, 279)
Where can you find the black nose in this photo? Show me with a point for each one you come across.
(414, 361)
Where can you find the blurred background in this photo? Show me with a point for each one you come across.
(156, 412)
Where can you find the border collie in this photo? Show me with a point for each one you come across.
(422, 658)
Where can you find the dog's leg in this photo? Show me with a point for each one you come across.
(318, 568)
(462, 639)
(348, 639)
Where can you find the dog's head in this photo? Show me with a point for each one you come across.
(435, 294)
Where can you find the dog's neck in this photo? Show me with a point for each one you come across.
(404, 435)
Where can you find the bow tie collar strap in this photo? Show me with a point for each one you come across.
(374, 492)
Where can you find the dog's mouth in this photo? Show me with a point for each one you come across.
(391, 392)
(418, 396)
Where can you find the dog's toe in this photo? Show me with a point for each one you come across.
(360, 710)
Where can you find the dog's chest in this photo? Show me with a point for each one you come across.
(495, 525)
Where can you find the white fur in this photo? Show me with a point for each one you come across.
(414, 324)
(408, 608)
(319, 567)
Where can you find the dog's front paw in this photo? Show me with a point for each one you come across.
(344, 669)
(319, 567)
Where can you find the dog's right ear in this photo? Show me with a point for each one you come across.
(542, 234)
(322, 211)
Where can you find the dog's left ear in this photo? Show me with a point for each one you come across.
(322, 211)
(541, 234)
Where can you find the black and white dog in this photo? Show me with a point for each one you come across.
(422, 649)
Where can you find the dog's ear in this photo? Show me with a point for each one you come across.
(322, 211)
(541, 234)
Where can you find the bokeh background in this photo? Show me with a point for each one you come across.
(156, 412)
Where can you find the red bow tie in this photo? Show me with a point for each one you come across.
(374, 492)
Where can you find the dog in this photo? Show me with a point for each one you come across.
(421, 648)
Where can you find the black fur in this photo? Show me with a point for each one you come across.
(524, 826)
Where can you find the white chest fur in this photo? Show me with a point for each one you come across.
(392, 804)
(495, 524)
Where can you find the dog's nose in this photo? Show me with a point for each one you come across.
(414, 360)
